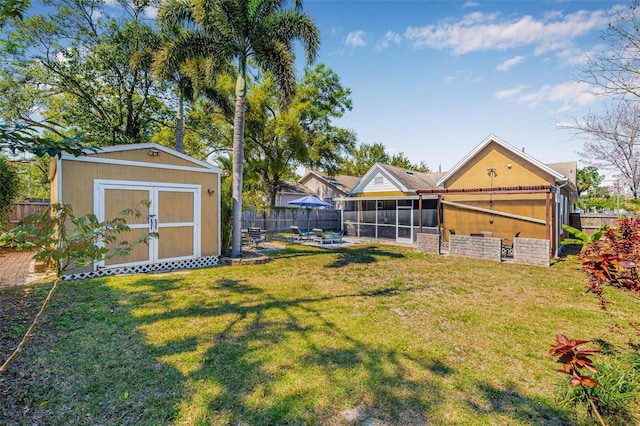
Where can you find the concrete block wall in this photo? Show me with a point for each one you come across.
(476, 247)
(531, 251)
(428, 243)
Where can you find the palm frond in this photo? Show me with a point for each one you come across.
(289, 26)
(174, 14)
(277, 58)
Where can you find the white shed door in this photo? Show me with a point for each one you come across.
(174, 214)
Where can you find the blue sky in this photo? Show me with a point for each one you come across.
(433, 79)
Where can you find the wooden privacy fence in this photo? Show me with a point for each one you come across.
(279, 220)
(26, 208)
(589, 223)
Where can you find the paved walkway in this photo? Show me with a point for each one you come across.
(16, 267)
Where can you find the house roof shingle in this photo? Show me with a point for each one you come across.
(411, 179)
(343, 183)
(295, 188)
(568, 169)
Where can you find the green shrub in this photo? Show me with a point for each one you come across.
(9, 188)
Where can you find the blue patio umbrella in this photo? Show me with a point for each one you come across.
(310, 201)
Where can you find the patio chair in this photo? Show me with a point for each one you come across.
(320, 237)
(507, 249)
(298, 235)
(245, 240)
(256, 236)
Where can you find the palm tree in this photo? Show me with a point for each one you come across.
(260, 31)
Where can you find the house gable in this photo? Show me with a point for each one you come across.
(327, 187)
(378, 180)
(494, 163)
(380, 183)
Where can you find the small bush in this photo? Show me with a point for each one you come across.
(9, 187)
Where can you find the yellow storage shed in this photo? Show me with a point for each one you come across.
(184, 210)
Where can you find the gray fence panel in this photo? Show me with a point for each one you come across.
(280, 220)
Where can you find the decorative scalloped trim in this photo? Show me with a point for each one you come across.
(199, 262)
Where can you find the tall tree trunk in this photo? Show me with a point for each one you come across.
(180, 124)
(238, 160)
(273, 192)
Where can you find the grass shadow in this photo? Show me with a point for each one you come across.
(507, 400)
(250, 390)
(361, 255)
(344, 255)
(89, 363)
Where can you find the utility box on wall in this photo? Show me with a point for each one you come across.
(184, 210)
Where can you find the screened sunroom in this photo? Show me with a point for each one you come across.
(387, 217)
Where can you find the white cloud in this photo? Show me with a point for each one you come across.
(479, 31)
(505, 65)
(510, 93)
(569, 95)
(389, 37)
(470, 4)
(356, 39)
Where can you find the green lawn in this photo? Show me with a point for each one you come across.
(315, 336)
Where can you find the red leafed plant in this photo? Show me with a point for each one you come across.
(574, 356)
(614, 258)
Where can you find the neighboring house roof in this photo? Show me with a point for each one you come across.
(403, 180)
(411, 179)
(294, 188)
(342, 183)
(559, 177)
(568, 169)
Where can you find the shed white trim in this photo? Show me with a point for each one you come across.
(90, 157)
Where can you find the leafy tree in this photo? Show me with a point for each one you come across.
(25, 138)
(9, 187)
(242, 30)
(278, 141)
(77, 66)
(588, 178)
(320, 99)
(13, 9)
(366, 155)
(34, 173)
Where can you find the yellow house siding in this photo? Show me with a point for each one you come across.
(475, 174)
(510, 170)
(466, 221)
